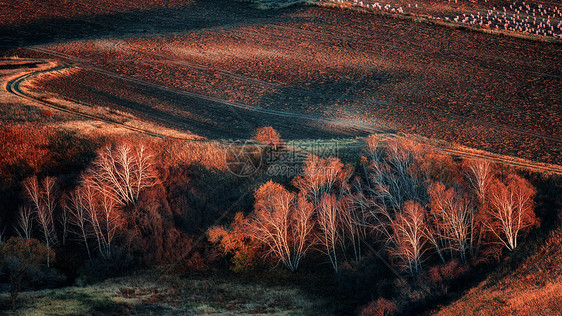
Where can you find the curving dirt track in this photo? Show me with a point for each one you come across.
(343, 128)
(316, 73)
(14, 86)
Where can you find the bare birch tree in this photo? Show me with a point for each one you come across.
(328, 223)
(64, 218)
(407, 240)
(123, 172)
(25, 223)
(479, 175)
(100, 210)
(389, 171)
(282, 221)
(42, 198)
(302, 226)
(353, 220)
(512, 212)
(452, 219)
(80, 201)
(106, 221)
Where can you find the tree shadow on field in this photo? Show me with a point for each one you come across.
(199, 15)
(204, 117)
(63, 154)
(338, 103)
(198, 196)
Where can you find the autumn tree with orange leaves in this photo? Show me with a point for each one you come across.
(235, 241)
(323, 176)
(269, 137)
(511, 214)
(282, 221)
(407, 239)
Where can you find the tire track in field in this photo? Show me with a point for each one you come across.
(329, 122)
(87, 64)
(481, 122)
(13, 86)
(506, 160)
(167, 59)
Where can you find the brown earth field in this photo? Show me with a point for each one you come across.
(220, 69)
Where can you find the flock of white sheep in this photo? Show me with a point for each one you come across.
(522, 17)
(519, 17)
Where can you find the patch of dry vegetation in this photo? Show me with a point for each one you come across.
(534, 287)
(171, 295)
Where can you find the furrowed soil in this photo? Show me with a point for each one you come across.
(220, 69)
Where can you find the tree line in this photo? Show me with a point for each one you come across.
(404, 199)
(408, 200)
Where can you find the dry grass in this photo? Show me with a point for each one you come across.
(172, 295)
(533, 288)
(211, 154)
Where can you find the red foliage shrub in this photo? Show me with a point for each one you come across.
(380, 307)
(147, 229)
(234, 241)
(438, 167)
(269, 137)
(47, 113)
(23, 150)
(445, 272)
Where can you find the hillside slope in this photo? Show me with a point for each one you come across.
(532, 286)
